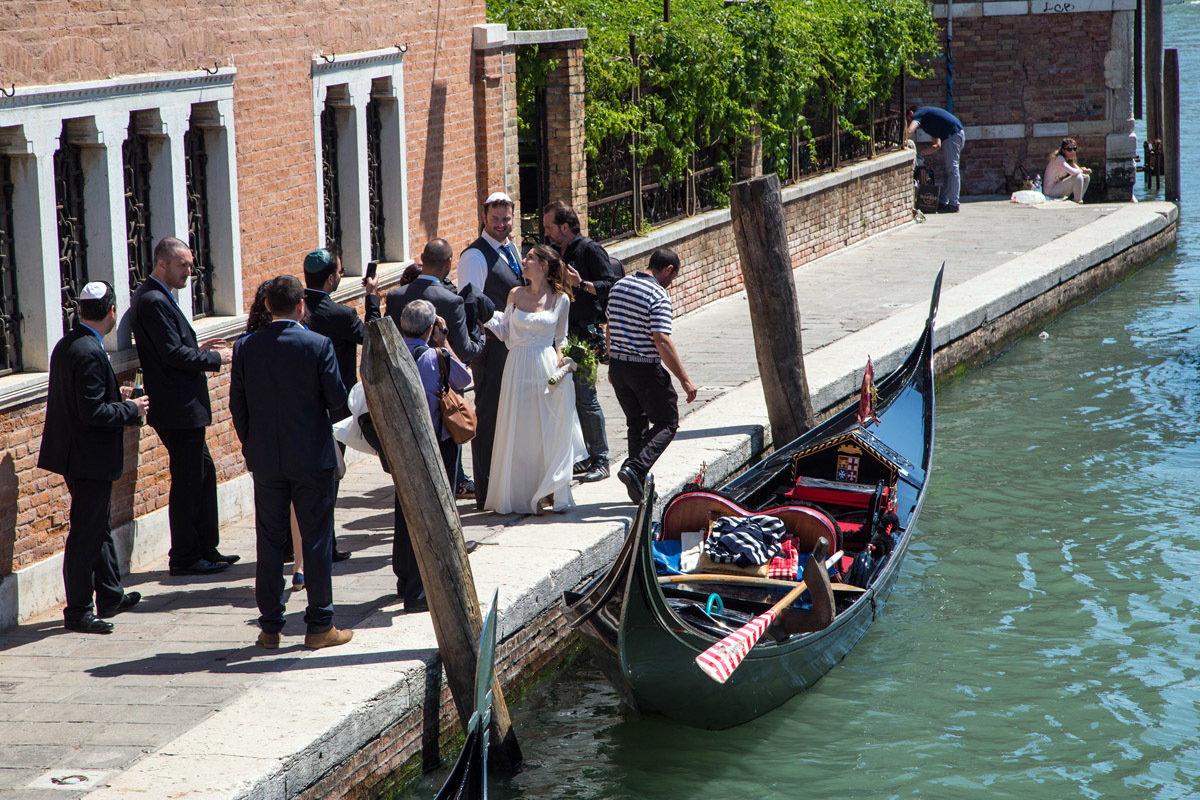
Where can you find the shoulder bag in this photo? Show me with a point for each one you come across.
(457, 414)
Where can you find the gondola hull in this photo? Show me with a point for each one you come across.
(648, 651)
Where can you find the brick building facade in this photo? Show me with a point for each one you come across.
(1028, 73)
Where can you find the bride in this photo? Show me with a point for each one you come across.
(538, 437)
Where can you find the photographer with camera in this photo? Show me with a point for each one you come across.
(591, 273)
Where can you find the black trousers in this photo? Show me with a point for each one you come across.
(404, 558)
(312, 496)
(488, 372)
(195, 533)
(651, 408)
(90, 567)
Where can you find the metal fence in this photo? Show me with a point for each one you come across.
(627, 194)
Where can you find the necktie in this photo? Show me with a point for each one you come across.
(511, 259)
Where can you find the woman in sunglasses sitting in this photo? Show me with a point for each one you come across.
(1064, 177)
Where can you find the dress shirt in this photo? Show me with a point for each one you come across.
(472, 268)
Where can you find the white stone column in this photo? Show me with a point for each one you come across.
(36, 245)
(395, 181)
(224, 226)
(168, 182)
(104, 207)
(352, 178)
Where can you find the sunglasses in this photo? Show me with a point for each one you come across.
(1071, 149)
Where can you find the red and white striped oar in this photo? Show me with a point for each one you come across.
(719, 661)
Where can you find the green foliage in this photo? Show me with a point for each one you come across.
(712, 74)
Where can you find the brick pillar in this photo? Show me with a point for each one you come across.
(749, 162)
(495, 107)
(564, 123)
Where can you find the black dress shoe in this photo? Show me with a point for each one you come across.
(217, 558)
(340, 555)
(471, 546)
(416, 605)
(633, 484)
(88, 624)
(199, 567)
(127, 602)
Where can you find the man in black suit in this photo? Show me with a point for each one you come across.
(83, 441)
(174, 367)
(492, 265)
(322, 276)
(285, 382)
(339, 323)
(436, 260)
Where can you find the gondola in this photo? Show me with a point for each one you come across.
(468, 779)
(853, 485)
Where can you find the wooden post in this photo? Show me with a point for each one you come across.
(1137, 61)
(401, 416)
(1171, 123)
(1153, 68)
(758, 225)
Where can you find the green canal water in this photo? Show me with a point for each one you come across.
(1043, 640)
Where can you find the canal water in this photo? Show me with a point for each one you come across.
(1043, 640)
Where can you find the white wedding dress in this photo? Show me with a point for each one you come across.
(538, 438)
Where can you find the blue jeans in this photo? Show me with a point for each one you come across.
(952, 149)
(591, 419)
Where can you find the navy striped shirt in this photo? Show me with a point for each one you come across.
(638, 307)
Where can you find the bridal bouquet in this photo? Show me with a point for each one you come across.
(587, 360)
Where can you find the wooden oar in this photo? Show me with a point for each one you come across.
(719, 661)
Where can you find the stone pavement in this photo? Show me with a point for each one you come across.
(178, 702)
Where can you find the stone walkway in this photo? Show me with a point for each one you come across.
(179, 676)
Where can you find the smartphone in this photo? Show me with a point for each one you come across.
(372, 268)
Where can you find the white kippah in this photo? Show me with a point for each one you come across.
(497, 197)
(94, 291)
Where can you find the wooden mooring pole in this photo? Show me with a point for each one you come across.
(758, 225)
(1171, 123)
(1153, 70)
(401, 416)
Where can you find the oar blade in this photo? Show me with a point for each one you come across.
(719, 661)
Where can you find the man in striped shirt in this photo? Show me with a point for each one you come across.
(639, 345)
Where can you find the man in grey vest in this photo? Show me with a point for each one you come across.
(492, 264)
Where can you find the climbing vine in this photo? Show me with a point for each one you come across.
(716, 73)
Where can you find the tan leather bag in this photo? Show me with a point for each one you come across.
(457, 415)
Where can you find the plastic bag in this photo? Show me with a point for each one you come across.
(1028, 197)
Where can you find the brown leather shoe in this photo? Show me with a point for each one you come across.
(268, 641)
(330, 638)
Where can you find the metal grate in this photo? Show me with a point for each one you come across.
(10, 309)
(72, 237)
(375, 180)
(196, 170)
(136, 157)
(329, 175)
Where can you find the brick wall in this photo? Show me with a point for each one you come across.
(46, 42)
(1030, 71)
(848, 210)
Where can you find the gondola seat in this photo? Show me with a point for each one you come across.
(692, 511)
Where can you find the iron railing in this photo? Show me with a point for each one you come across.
(329, 177)
(10, 307)
(196, 171)
(72, 236)
(375, 180)
(135, 154)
